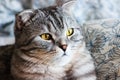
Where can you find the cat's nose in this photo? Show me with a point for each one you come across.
(63, 47)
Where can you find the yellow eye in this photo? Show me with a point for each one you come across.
(70, 32)
(46, 36)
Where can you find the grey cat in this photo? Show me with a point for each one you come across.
(49, 46)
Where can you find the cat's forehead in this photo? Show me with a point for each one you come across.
(50, 19)
(53, 16)
(58, 18)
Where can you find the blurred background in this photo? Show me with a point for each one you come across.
(84, 10)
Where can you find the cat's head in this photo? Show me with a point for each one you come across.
(50, 34)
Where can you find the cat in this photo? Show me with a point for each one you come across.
(49, 46)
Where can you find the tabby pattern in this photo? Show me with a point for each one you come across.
(49, 46)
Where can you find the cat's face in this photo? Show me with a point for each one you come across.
(48, 35)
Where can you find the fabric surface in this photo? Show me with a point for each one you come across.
(7, 41)
(103, 40)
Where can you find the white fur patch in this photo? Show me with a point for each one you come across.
(84, 69)
(92, 77)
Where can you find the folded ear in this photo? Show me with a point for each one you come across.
(22, 18)
(68, 7)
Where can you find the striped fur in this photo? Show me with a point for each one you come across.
(38, 59)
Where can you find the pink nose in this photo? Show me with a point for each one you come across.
(63, 47)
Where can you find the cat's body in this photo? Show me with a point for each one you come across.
(49, 72)
(79, 67)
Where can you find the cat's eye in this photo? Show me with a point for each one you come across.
(70, 32)
(46, 36)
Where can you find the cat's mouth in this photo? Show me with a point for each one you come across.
(64, 54)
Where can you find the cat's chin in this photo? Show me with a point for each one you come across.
(62, 59)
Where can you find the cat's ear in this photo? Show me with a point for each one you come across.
(68, 7)
(22, 18)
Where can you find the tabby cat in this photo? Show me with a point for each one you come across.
(49, 46)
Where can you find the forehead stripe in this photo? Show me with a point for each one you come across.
(56, 20)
